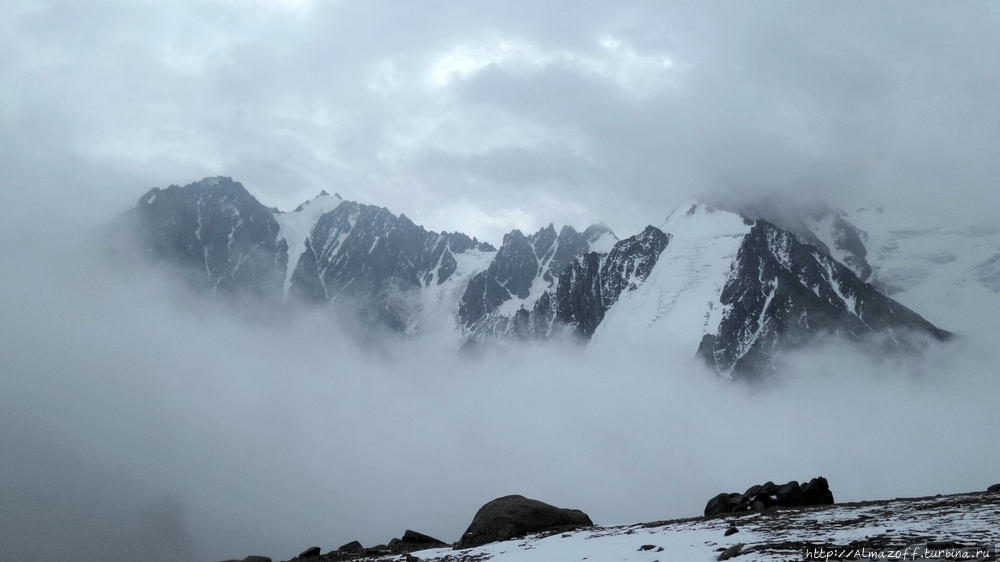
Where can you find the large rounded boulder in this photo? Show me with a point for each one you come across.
(513, 516)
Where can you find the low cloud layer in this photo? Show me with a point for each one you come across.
(140, 421)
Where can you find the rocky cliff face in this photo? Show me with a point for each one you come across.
(217, 235)
(782, 293)
(592, 285)
(366, 258)
(514, 296)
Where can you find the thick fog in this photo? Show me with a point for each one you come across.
(139, 418)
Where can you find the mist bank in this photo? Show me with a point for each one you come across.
(142, 419)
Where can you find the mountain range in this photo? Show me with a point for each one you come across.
(735, 286)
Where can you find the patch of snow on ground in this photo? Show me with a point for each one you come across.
(785, 534)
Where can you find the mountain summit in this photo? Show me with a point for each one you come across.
(735, 291)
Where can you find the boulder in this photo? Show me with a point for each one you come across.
(994, 488)
(513, 516)
(310, 552)
(790, 495)
(765, 496)
(817, 492)
(724, 503)
(353, 546)
(718, 504)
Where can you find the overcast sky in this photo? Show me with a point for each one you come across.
(486, 116)
(131, 424)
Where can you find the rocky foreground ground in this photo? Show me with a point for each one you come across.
(952, 527)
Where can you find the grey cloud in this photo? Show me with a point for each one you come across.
(276, 438)
(844, 102)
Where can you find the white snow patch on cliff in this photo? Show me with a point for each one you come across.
(296, 226)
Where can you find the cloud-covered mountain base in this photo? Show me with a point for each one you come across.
(138, 420)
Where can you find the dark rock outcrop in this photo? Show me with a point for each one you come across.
(817, 492)
(994, 488)
(590, 285)
(765, 496)
(523, 262)
(366, 258)
(513, 516)
(584, 291)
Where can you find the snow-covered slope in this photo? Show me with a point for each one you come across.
(947, 272)
(924, 528)
(744, 291)
(440, 301)
(679, 301)
(294, 227)
(953, 527)
(843, 241)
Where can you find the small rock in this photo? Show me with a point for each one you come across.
(647, 547)
(309, 552)
(732, 531)
(731, 551)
